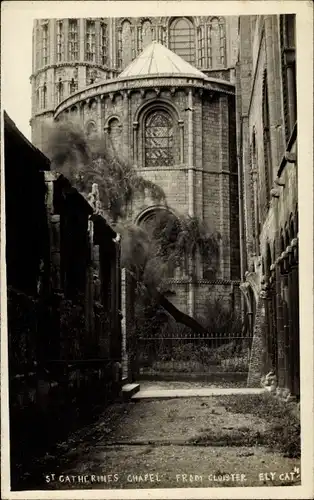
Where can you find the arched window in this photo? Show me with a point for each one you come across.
(114, 134)
(90, 129)
(158, 139)
(182, 39)
(147, 34)
(266, 141)
(59, 90)
(126, 44)
(217, 43)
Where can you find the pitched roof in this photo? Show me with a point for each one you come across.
(156, 59)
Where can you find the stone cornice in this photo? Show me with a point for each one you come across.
(185, 167)
(73, 64)
(127, 85)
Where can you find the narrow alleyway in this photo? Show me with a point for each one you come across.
(205, 441)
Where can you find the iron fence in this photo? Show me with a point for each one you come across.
(192, 354)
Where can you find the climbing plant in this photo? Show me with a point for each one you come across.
(150, 252)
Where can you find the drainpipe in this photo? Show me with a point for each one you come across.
(191, 298)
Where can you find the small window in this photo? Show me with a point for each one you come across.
(158, 139)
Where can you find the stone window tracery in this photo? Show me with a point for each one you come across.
(90, 48)
(73, 39)
(60, 41)
(182, 39)
(158, 139)
(103, 43)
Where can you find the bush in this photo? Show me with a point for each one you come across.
(220, 319)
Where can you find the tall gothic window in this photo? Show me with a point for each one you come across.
(73, 39)
(60, 41)
(45, 45)
(90, 41)
(182, 39)
(201, 46)
(147, 34)
(126, 44)
(217, 43)
(103, 43)
(266, 141)
(59, 90)
(158, 139)
(288, 62)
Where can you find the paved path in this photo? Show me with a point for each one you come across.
(153, 393)
(174, 442)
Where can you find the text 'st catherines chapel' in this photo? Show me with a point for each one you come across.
(161, 91)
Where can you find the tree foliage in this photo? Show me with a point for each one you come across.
(150, 251)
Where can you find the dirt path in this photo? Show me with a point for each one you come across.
(183, 442)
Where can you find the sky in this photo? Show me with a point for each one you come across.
(16, 35)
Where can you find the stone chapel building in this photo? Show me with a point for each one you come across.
(162, 91)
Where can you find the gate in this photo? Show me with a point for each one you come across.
(181, 356)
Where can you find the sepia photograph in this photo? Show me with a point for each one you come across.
(150, 188)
